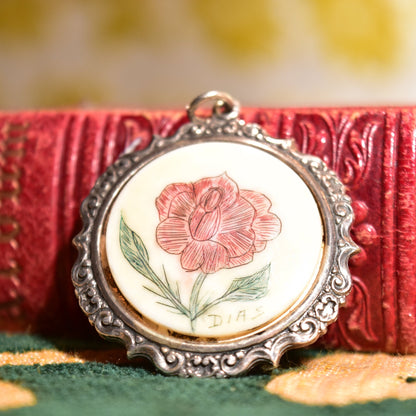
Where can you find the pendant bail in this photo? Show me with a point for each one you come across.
(225, 107)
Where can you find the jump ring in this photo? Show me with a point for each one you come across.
(225, 107)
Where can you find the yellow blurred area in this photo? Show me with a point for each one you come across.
(239, 28)
(361, 31)
(128, 53)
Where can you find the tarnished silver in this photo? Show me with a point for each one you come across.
(188, 357)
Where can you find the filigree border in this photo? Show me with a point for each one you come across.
(302, 328)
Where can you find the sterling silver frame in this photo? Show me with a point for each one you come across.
(188, 357)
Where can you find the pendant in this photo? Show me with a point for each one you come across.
(214, 249)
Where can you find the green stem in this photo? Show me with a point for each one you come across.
(193, 302)
(210, 305)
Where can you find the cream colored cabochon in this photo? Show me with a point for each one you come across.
(294, 255)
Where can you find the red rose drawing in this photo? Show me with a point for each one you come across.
(212, 224)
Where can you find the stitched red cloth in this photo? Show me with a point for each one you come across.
(50, 160)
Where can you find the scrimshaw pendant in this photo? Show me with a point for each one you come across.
(215, 249)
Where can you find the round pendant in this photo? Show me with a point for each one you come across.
(214, 249)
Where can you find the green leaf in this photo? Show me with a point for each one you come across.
(136, 254)
(133, 248)
(252, 287)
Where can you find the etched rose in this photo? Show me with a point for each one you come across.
(212, 224)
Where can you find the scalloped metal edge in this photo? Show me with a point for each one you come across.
(173, 361)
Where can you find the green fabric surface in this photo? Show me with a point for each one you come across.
(30, 342)
(106, 389)
(23, 342)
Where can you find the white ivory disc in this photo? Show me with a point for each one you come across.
(292, 258)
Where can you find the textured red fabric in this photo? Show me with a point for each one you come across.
(50, 160)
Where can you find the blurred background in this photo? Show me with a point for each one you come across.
(161, 53)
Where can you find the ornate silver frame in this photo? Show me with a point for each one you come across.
(186, 358)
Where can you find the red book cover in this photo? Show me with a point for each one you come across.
(50, 160)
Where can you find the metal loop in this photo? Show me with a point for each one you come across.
(225, 107)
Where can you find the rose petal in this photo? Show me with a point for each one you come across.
(240, 260)
(227, 186)
(261, 203)
(182, 206)
(259, 246)
(237, 242)
(267, 227)
(204, 225)
(193, 256)
(239, 217)
(164, 200)
(215, 257)
(173, 235)
(207, 255)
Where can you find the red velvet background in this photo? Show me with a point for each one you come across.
(50, 160)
